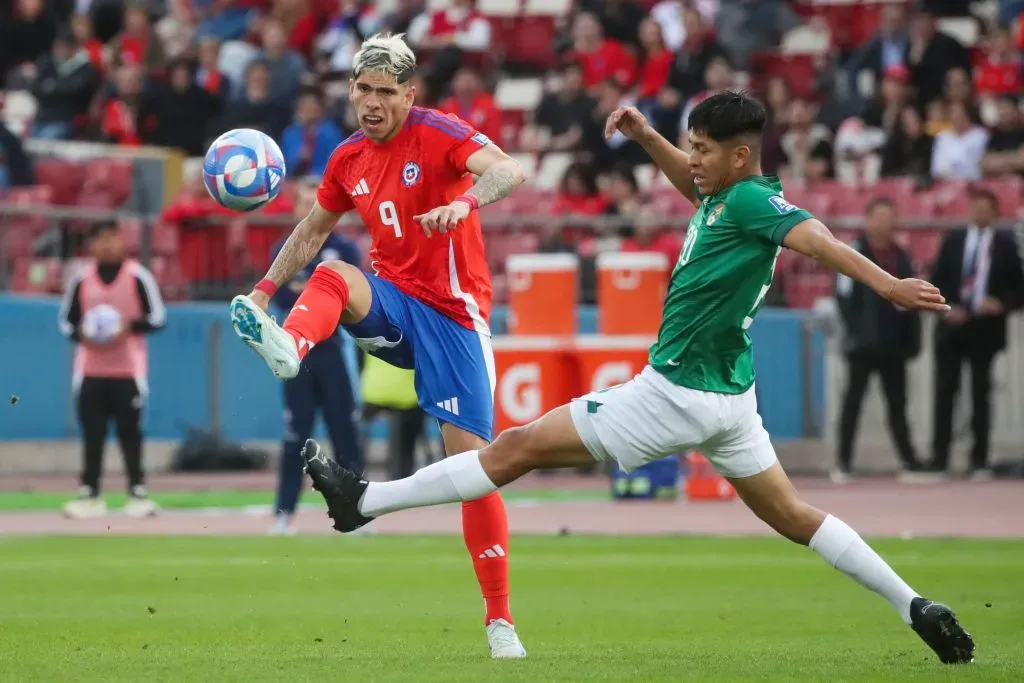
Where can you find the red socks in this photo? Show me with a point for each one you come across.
(485, 528)
(316, 314)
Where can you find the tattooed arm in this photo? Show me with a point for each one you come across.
(498, 174)
(299, 249)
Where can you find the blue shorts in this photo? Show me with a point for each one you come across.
(453, 365)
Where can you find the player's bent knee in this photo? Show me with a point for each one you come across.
(343, 268)
(359, 295)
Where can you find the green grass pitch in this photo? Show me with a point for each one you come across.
(363, 609)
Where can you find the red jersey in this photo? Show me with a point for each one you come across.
(421, 168)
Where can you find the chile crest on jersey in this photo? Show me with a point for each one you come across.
(411, 173)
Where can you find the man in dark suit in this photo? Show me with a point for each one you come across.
(878, 339)
(979, 273)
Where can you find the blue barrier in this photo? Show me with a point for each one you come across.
(37, 370)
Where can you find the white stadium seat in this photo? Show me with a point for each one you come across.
(547, 8)
(498, 8)
(518, 94)
(552, 168)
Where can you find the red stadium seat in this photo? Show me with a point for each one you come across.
(66, 178)
(112, 176)
(37, 276)
(131, 234)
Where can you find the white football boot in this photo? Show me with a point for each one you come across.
(139, 504)
(86, 506)
(504, 641)
(264, 336)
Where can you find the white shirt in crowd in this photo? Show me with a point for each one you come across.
(958, 156)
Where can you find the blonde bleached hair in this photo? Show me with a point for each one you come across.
(385, 53)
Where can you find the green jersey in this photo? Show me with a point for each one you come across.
(724, 271)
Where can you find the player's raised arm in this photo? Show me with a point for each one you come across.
(298, 250)
(672, 161)
(812, 238)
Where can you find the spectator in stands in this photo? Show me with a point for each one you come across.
(119, 122)
(209, 76)
(979, 272)
(28, 36)
(655, 64)
(176, 28)
(877, 338)
(402, 16)
(138, 43)
(449, 34)
(669, 14)
(623, 194)
(689, 68)
(887, 48)
(256, 108)
(1005, 151)
(110, 372)
(344, 33)
(648, 233)
(931, 55)
(15, 165)
(620, 19)
(224, 19)
(63, 84)
(285, 65)
(859, 139)
(81, 28)
(937, 117)
(578, 193)
(606, 152)
(908, 149)
(600, 58)
(748, 26)
(562, 116)
(473, 104)
(777, 98)
(807, 145)
(179, 114)
(999, 71)
(958, 151)
(308, 142)
(958, 87)
(894, 95)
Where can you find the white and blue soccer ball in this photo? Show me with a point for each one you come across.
(243, 169)
(101, 323)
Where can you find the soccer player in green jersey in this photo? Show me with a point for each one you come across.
(698, 390)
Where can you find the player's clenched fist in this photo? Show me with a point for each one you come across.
(914, 294)
(443, 218)
(628, 121)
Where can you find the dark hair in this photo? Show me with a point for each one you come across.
(585, 174)
(982, 192)
(625, 172)
(878, 202)
(102, 226)
(312, 91)
(727, 115)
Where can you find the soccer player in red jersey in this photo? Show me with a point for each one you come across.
(408, 172)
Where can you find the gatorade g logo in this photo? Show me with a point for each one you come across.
(611, 374)
(519, 392)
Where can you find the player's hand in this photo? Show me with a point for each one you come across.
(260, 299)
(443, 218)
(628, 121)
(913, 294)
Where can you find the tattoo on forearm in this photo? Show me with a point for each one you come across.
(495, 183)
(296, 253)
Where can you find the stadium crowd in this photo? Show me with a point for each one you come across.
(856, 92)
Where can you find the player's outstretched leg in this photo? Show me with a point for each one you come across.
(334, 288)
(771, 496)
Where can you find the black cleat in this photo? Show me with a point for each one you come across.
(341, 488)
(939, 628)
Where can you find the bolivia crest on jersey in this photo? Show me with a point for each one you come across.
(715, 213)
(411, 174)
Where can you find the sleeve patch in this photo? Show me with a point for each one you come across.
(481, 139)
(781, 205)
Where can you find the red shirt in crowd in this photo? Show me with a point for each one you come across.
(654, 73)
(998, 79)
(583, 205)
(663, 243)
(610, 60)
(481, 113)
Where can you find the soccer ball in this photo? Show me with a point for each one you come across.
(243, 169)
(101, 323)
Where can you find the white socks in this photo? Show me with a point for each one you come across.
(451, 480)
(844, 549)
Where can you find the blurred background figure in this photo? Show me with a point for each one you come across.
(307, 144)
(108, 307)
(877, 339)
(979, 271)
(390, 392)
(323, 384)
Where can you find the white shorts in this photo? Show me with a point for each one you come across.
(649, 418)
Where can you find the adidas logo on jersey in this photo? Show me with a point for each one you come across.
(361, 188)
(451, 405)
